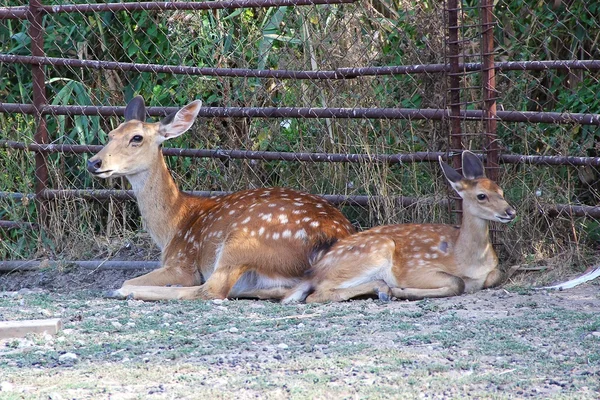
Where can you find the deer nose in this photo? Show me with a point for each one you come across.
(511, 212)
(94, 165)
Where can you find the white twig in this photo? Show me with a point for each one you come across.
(592, 273)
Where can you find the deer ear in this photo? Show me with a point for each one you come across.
(136, 109)
(452, 176)
(472, 167)
(178, 122)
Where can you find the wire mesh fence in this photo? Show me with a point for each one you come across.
(349, 99)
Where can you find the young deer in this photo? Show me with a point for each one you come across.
(414, 261)
(253, 243)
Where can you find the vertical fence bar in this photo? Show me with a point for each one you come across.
(488, 78)
(452, 54)
(36, 33)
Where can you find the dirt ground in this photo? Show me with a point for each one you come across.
(507, 343)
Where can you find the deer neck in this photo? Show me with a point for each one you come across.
(473, 247)
(159, 200)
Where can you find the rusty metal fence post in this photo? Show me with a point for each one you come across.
(455, 136)
(36, 32)
(488, 79)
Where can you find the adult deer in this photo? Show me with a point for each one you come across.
(253, 243)
(414, 261)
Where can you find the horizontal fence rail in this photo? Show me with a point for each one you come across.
(307, 157)
(116, 194)
(36, 265)
(310, 112)
(340, 73)
(22, 12)
(552, 210)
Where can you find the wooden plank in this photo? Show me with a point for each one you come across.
(16, 329)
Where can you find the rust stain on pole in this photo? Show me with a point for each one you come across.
(36, 33)
(488, 72)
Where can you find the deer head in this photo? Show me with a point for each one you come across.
(134, 146)
(482, 197)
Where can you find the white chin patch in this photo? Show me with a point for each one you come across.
(105, 175)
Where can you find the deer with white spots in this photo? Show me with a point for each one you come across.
(415, 261)
(254, 243)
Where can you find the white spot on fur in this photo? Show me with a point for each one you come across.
(301, 234)
(283, 218)
(315, 224)
(286, 234)
(261, 231)
(267, 217)
(246, 220)
(306, 219)
(275, 236)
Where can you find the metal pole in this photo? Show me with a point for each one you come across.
(452, 54)
(36, 33)
(488, 75)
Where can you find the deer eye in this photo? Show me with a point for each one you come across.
(136, 139)
(481, 197)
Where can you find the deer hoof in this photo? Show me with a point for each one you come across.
(383, 296)
(114, 294)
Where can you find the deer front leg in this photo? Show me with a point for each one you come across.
(155, 293)
(438, 284)
(378, 288)
(496, 277)
(169, 274)
(216, 287)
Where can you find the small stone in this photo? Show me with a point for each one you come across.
(300, 325)
(116, 324)
(6, 386)
(596, 334)
(282, 346)
(67, 358)
(25, 343)
(234, 330)
(217, 301)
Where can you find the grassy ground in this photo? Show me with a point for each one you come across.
(504, 343)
